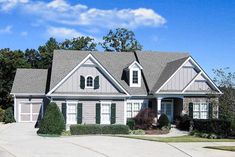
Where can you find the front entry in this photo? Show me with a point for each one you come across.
(167, 108)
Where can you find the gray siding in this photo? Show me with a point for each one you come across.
(24, 99)
(180, 79)
(89, 110)
(72, 84)
(199, 86)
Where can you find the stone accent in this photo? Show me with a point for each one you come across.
(214, 101)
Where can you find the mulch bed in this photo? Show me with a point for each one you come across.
(156, 132)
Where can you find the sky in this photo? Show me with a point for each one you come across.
(203, 28)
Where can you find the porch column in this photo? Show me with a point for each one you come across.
(159, 101)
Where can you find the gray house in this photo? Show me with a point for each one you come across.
(108, 88)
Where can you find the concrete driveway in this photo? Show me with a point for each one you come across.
(20, 140)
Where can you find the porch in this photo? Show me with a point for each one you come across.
(171, 106)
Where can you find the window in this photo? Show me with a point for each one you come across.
(200, 110)
(72, 112)
(135, 77)
(105, 113)
(89, 82)
(133, 108)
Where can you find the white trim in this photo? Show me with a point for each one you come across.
(67, 104)
(83, 61)
(135, 62)
(131, 77)
(86, 81)
(101, 105)
(125, 118)
(197, 66)
(191, 82)
(15, 107)
(28, 94)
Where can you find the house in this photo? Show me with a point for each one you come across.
(107, 88)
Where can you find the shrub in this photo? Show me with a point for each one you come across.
(215, 126)
(115, 129)
(85, 129)
(144, 119)
(137, 132)
(2, 114)
(131, 123)
(9, 116)
(53, 121)
(79, 129)
(163, 121)
(183, 122)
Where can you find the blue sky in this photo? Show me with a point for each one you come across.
(204, 28)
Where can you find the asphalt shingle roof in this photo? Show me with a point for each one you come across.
(153, 64)
(30, 81)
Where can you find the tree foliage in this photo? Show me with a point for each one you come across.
(226, 81)
(121, 40)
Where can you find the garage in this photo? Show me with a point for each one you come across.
(29, 111)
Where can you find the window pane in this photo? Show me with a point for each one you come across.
(196, 107)
(204, 107)
(89, 82)
(204, 115)
(196, 115)
(135, 77)
(136, 107)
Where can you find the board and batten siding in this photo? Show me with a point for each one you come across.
(180, 79)
(72, 84)
(199, 86)
(89, 110)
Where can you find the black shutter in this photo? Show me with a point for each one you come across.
(64, 111)
(210, 111)
(82, 82)
(191, 110)
(96, 83)
(79, 113)
(97, 119)
(113, 113)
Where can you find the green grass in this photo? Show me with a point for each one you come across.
(177, 139)
(226, 148)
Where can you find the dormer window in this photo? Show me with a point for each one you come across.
(89, 82)
(135, 77)
(135, 74)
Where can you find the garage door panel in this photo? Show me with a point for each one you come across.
(25, 117)
(29, 111)
(36, 107)
(25, 108)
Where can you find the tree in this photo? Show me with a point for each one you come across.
(9, 61)
(33, 57)
(80, 43)
(53, 121)
(226, 81)
(121, 40)
(9, 116)
(46, 52)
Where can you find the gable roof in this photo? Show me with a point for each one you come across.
(153, 63)
(159, 66)
(31, 81)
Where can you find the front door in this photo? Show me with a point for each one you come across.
(167, 108)
(105, 113)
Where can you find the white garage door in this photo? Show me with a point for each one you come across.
(29, 112)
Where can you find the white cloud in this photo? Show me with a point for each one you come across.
(6, 5)
(24, 33)
(61, 12)
(6, 30)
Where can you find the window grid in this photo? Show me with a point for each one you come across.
(133, 108)
(200, 110)
(135, 77)
(89, 81)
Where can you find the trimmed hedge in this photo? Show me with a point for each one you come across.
(216, 126)
(131, 123)
(79, 129)
(183, 122)
(53, 121)
(163, 121)
(2, 114)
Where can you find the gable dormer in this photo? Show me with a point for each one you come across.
(134, 71)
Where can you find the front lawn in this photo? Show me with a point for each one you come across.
(176, 139)
(226, 148)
